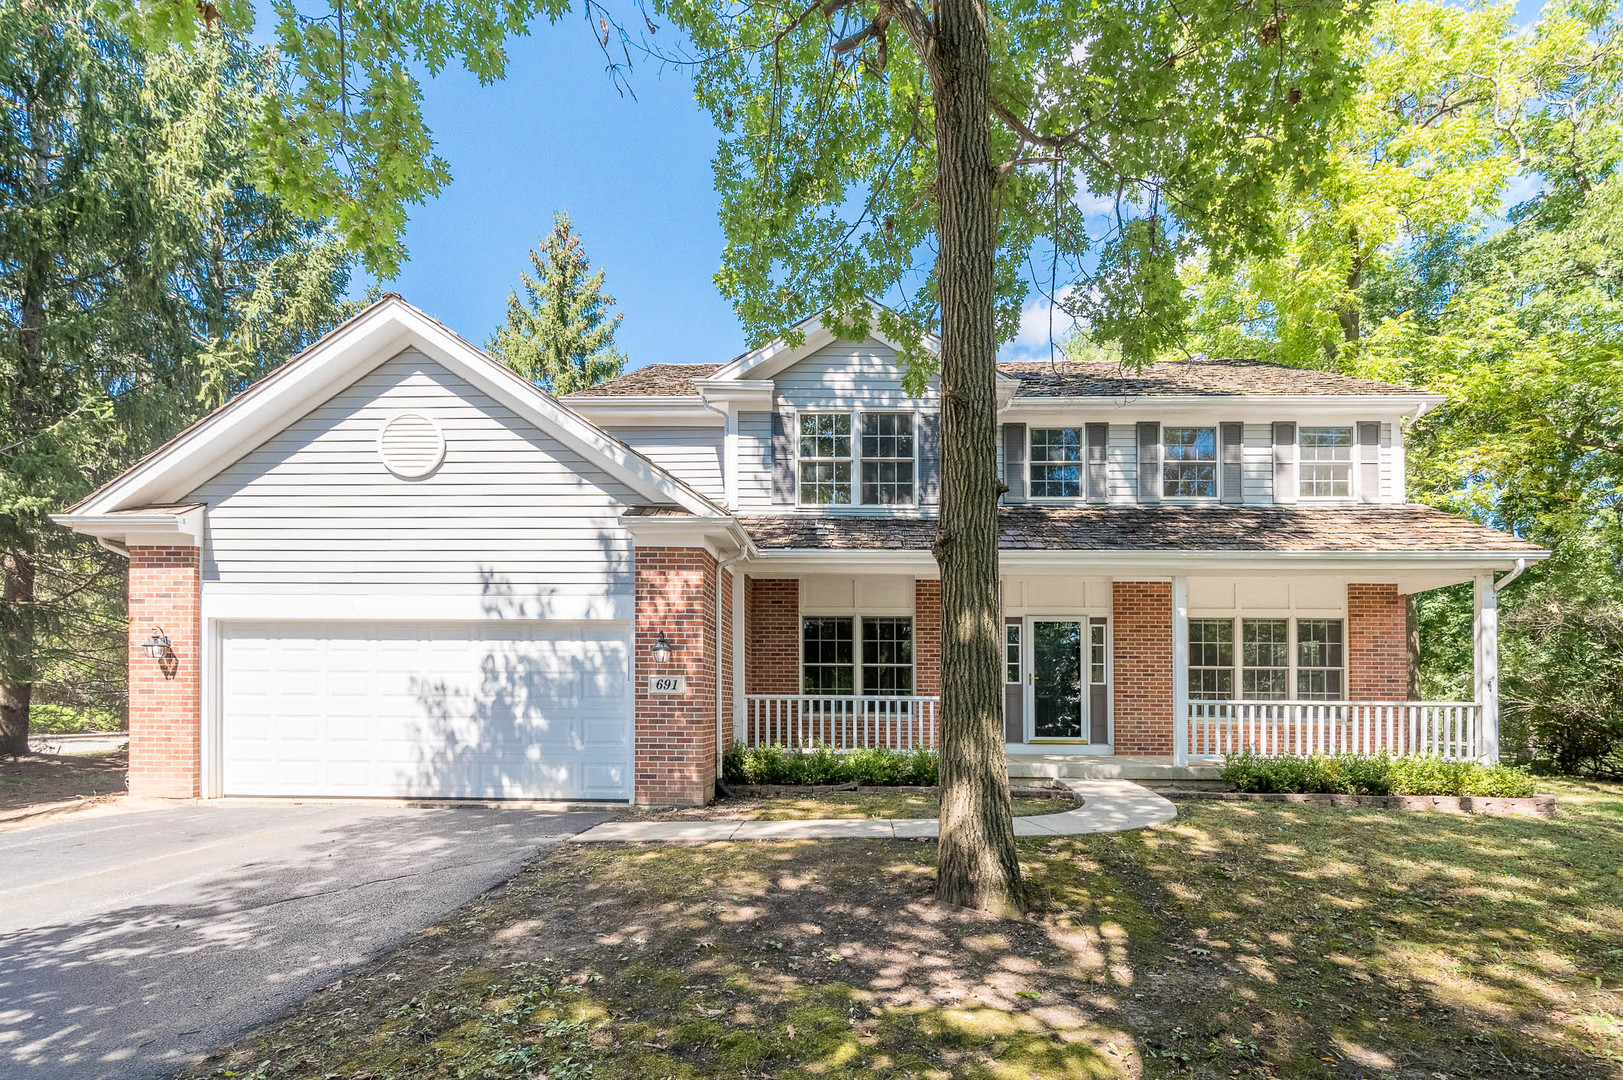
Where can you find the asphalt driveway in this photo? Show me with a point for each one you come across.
(131, 944)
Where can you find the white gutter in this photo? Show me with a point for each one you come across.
(1521, 566)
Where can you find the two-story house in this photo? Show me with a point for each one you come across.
(395, 568)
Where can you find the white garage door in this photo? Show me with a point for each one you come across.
(463, 710)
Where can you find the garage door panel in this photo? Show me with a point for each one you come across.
(457, 710)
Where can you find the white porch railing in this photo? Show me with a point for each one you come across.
(844, 722)
(1447, 729)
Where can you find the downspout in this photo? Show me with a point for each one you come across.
(1521, 565)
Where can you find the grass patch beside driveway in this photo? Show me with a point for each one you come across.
(1239, 940)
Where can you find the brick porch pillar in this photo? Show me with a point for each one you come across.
(772, 636)
(1142, 618)
(927, 637)
(165, 590)
(1377, 644)
(676, 733)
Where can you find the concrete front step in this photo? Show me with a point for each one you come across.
(1144, 770)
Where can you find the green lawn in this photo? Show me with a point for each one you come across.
(1255, 940)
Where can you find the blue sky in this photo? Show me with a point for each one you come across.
(635, 176)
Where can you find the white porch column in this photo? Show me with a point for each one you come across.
(1180, 671)
(1485, 631)
(737, 674)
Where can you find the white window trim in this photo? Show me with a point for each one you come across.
(792, 418)
(1217, 464)
(1081, 464)
(1352, 465)
(1291, 618)
(855, 619)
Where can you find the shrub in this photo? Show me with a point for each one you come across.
(1379, 774)
(45, 718)
(876, 767)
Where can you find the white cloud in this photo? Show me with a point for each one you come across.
(1032, 340)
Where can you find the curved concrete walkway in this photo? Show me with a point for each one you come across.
(1107, 806)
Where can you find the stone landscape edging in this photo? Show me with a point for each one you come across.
(768, 791)
(1536, 806)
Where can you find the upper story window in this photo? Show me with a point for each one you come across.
(887, 459)
(1189, 462)
(1326, 462)
(825, 459)
(1056, 463)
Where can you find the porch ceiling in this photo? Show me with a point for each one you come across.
(1349, 529)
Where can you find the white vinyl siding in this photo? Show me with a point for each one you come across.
(691, 454)
(848, 375)
(755, 461)
(512, 516)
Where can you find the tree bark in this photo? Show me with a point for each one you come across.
(1411, 626)
(977, 865)
(17, 691)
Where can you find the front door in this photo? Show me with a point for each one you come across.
(1058, 704)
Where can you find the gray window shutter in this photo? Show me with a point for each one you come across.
(1233, 462)
(1098, 440)
(1014, 462)
(1369, 461)
(929, 459)
(1284, 461)
(783, 462)
(1149, 461)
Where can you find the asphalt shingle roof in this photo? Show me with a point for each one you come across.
(1158, 528)
(1186, 378)
(655, 380)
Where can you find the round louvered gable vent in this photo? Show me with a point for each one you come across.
(411, 445)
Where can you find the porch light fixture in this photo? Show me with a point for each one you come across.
(157, 646)
(662, 650)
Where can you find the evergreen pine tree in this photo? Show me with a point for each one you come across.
(560, 332)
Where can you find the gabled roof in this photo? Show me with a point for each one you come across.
(769, 359)
(1409, 529)
(352, 349)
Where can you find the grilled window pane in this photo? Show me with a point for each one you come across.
(1056, 463)
(825, 459)
(1188, 462)
(827, 656)
(1320, 659)
(1326, 462)
(1211, 659)
(887, 655)
(1011, 653)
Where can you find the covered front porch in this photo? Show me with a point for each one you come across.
(1111, 676)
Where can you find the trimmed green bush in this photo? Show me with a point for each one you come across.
(1379, 774)
(871, 768)
(47, 719)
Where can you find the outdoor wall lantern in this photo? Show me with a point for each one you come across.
(157, 646)
(662, 650)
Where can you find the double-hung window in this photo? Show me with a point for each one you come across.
(1320, 658)
(1275, 657)
(825, 459)
(1188, 462)
(1056, 463)
(845, 654)
(1326, 462)
(887, 459)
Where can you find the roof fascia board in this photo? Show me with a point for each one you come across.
(721, 532)
(736, 394)
(769, 359)
(336, 362)
(1119, 562)
(183, 528)
(1395, 403)
(676, 412)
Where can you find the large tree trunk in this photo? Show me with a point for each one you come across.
(17, 689)
(1411, 636)
(977, 866)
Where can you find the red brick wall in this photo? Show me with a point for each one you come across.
(1143, 667)
(771, 636)
(165, 590)
(927, 636)
(676, 735)
(1377, 653)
